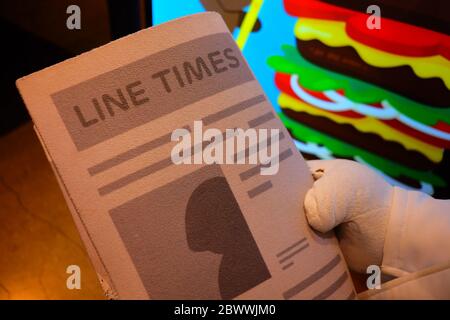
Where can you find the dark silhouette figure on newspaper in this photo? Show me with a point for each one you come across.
(214, 222)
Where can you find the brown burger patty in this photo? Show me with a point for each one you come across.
(367, 141)
(345, 60)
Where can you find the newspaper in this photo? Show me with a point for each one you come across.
(157, 221)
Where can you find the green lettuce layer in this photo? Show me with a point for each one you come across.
(343, 149)
(316, 78)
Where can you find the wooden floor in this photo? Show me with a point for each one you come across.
(38, 238)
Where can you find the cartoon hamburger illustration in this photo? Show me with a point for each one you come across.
(377, 96)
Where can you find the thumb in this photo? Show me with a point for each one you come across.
(318, 220)
(320, 206)
(328, 203)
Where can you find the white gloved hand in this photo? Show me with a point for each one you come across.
(356, 200)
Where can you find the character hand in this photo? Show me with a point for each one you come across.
(356, 200)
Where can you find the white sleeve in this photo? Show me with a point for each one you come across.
(418, 233)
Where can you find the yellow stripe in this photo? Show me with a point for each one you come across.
(332, 33)
(366, 124)
(249, 22)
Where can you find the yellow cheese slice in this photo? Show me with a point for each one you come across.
(332, 33)
(366, 124)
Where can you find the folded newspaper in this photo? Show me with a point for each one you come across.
(181, 179)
